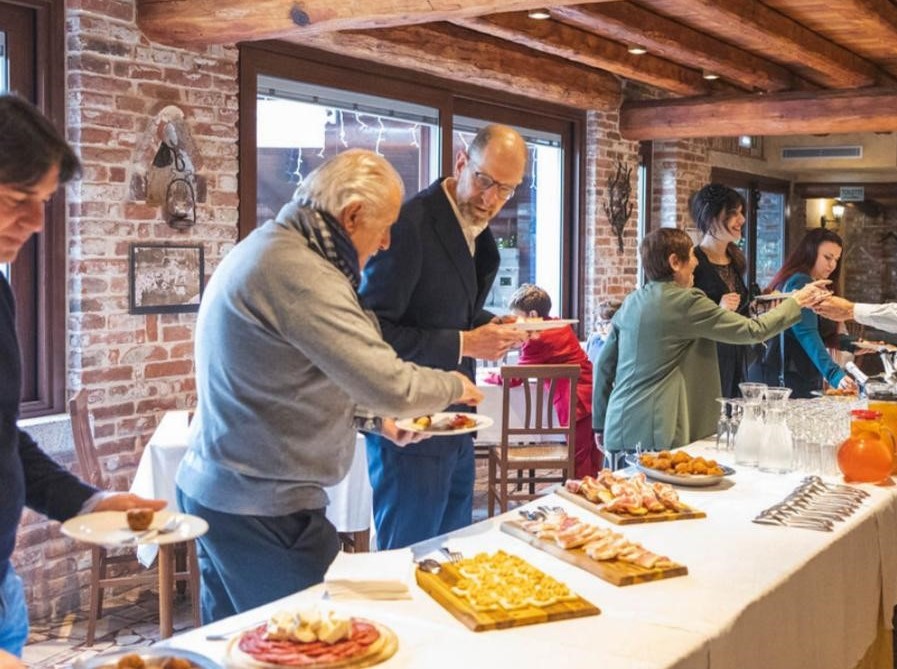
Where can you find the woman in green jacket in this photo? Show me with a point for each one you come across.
(657, 376)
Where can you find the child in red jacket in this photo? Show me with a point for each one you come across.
(561, 347)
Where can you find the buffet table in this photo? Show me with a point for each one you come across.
(756, 596)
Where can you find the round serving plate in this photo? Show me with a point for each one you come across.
(481, 423)
(110, 528)
(691, 480)
(152, 656)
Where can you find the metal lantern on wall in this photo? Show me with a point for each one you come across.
(180, 203)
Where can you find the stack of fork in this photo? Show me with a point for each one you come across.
(814, 505)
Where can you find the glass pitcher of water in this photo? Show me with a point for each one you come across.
(777, 447)
(750, 429)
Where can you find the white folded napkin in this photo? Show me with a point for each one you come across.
(381, 575)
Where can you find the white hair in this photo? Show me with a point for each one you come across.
(356, 175)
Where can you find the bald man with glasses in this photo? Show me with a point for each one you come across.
(428, 290)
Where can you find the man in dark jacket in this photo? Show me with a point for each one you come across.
(34, 160)
(428, 290)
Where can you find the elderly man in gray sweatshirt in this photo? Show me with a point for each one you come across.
(288, 367)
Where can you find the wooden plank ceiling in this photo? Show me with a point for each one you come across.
(783, 66)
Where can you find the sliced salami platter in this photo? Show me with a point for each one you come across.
(499, 590)
(625, 501)
(311, 639)
(600, 551)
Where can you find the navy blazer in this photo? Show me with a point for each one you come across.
(426, 286)
(28, 476)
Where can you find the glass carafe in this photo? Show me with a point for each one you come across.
(777, 448)
(750, 429)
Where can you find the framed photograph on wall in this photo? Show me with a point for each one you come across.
(166, 278)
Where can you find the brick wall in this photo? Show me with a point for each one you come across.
(608, 274)
(681, 167)
(121, 91)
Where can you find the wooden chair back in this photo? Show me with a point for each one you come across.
(538, 442)
(85, 449)
(177, 562)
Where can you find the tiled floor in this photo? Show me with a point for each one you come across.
(131, 618)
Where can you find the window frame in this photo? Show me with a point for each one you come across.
(289, 61)
(38, 275)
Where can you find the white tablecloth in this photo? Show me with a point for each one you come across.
(350, 500)
(755, 597)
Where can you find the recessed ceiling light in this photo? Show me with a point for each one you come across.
(710, 75)
(745, 141)
(539, 14)
(636, 49)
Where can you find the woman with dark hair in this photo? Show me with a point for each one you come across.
(657, 375)
(718, 212)
(805, 360)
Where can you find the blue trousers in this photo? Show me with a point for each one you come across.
(247, 561)
(13, 613)
(422, 490)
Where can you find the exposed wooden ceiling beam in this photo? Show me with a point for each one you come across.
(589, 49)
(754, 26)
(232, 21)
(450, 52)
(801, 113)
(632, 24)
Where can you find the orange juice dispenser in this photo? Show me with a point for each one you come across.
(867, 455)
(883, 398)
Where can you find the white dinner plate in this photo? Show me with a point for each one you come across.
(771, 297)
(539, 326)
(693, 480)
(110, 528)
(442, 419)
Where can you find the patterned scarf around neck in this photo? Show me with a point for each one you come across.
(327, 237)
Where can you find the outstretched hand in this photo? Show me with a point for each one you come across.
(124, 500)
(812, 294)
(492, 341)
(835, 308)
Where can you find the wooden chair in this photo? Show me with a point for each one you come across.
(101, 561)
(522, 447)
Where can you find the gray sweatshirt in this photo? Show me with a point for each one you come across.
(284, 353)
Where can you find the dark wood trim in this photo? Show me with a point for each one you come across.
(41, 292)
(451, 98)
(646, 160)
(734, 177)
(872, 190)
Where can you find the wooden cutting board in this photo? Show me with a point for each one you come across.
(612, 571)
(439, 586)
(626, 519)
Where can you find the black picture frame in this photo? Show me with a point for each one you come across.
(165, 278)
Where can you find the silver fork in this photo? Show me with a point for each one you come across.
(453, 556)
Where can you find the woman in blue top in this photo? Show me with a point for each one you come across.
(806, 361)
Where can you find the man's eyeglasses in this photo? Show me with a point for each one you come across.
(484, 182)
